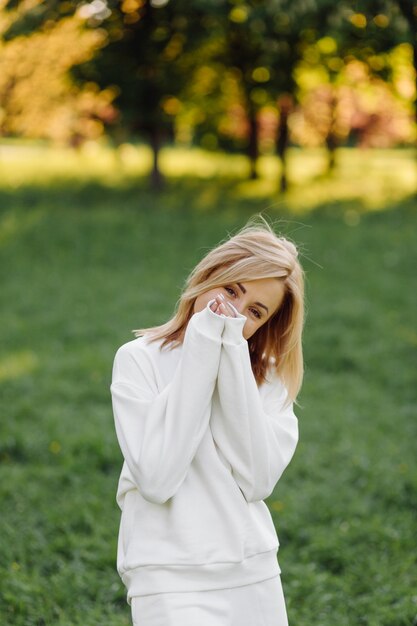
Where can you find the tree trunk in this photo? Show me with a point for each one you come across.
(157, 181)
(331, 144)
(285, 104)
(331, 139)
(253, 152)
(408, 10)
(415, 100)
(415, 80)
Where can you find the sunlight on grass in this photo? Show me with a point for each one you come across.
(40, 165)
(375, 178)
(17, 364)
(196, 162)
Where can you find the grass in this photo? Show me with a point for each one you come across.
(87, 253)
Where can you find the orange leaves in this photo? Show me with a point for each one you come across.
(38, 96)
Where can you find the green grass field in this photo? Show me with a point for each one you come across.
(87, 253)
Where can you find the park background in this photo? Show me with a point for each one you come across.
(134, 136)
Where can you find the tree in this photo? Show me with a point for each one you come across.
(291, 25)
(37, 97)
(375, 27)
(263, 42)
(408, 9)
(139, 57)
(145, 57)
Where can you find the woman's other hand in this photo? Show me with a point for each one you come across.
(222, 307)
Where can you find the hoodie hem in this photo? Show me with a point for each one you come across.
(151, 579)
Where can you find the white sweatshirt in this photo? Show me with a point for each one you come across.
(202, 447)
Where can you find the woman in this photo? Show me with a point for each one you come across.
(203, 410)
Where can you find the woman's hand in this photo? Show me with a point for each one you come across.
(222, 307)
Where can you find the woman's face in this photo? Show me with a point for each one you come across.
(257, 300)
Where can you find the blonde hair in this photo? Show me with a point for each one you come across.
(254, 252)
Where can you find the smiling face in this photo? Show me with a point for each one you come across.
(257, 300)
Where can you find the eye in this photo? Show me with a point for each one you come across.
(256, 313)
(230, 291)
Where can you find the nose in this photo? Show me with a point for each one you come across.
(237, 307)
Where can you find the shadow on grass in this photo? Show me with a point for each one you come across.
(187, 194)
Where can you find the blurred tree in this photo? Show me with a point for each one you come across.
(343, 97)
(142, 46)
(263, 44)
(372, 28)
(225, 71)
(408, 9)
(357, 106)
(386, 24)
(146, 39)
(245, 51)
(267, 42)
(37, 98)
(365, 32)
(150, 50)
(291, 27)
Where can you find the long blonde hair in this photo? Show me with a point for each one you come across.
(254, 252)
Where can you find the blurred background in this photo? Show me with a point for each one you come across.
(134, 136)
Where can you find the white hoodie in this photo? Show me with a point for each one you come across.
(202, 447)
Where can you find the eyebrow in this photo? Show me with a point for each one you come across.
(243, 290)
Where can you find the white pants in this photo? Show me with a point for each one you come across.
(259, 604)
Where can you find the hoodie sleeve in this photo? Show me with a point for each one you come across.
(159, 432)
(257, 436)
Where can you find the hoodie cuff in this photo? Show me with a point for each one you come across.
(233, 329)
(208, 323)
